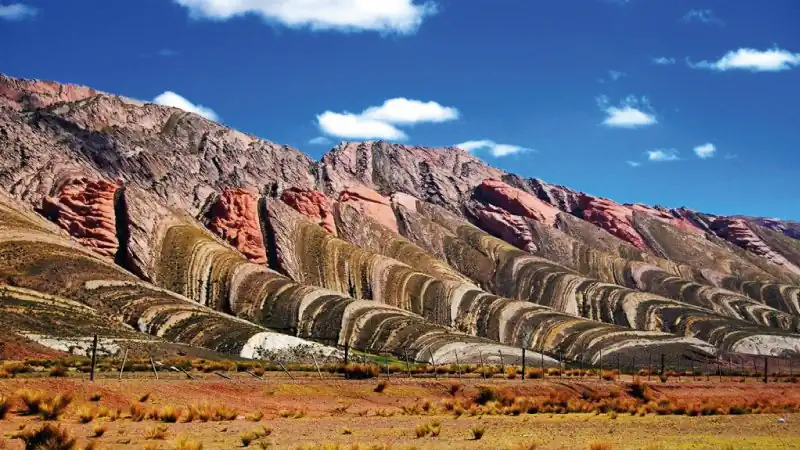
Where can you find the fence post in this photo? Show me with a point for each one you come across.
(694, 375)
(633, 366)
(600, 373)
(94, 357)
(122, 367)
(502, 365)
(523, 363)
(346, 354)
(662, 364)
(708, 374)
(313, 358)
(649, 365)
(386, 362)
(153, 365)
(719, 369)
(766, 372)
(458, 364)
(541, 360)
(483, 369)
(619, 367)
(791, 374)
(408, 367)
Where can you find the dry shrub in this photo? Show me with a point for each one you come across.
(247, 438)
(609, 375)
(144, 398)
(5, 374)
(432, 429)
(255, 417)
(600, 446)
(187, 444)
(99, 430)
(58, 371)
(361, 371)
(51, 408)
(47, 437)
(347, 431)
(382, 385)
(511, 372)
(534, 374)
(86, 414)
(95, 397)
(31, 399)
(168, 414)
(293, 413)
(156, 433)
(663, 377)
(455, 387)
(477, 431)
(553, 372)
(5, 406)
(138, 412)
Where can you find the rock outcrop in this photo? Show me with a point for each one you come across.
(315, 205)
(85, 208)
(233, 216)
(370, 203)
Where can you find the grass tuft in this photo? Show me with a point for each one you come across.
(86, 414)
(382, 385)
(156, 433)
(5, 406)
(47, 437)
(477, 431)
(99, 430)
(58, 371)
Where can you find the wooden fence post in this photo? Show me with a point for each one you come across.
(766, 367)
(313, 358)
(94, 357)
(523, 363)
(483, 368)
(433, 361)
(458, 364)
(122, 367)
(153, 365)
(502, 365)
(408, 367)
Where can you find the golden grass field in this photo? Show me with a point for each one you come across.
(216, 413)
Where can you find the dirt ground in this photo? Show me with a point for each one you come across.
(351, 412)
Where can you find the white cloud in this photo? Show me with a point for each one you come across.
(701, 15)
(705, 151)
(633, 163)
(386, 16)
(174, 100)
(402, 111)
(320, 140)
(495, 149)
(629, 114)
(615, 75)
(772, 60)
(17, 11)
(662, 155)
(664, 61)
(354, 126)
(381, 122)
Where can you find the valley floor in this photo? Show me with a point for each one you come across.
(307, 412)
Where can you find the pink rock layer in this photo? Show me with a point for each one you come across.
(738, 231)
(30, 94)
(313, 204)
(501, 223)
(85, 209)
(516, 201)
(612, 217)
(234, 217)
(371, 204)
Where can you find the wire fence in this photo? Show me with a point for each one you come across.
(352, 364)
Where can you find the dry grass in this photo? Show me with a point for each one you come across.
(168, 414)
(382, 385)
(5, 406)
(455, 387)
(477, 431)
(86, 413)
(187, 444)
(51, 408)
(58, 371)
(600, 446)
(95, 397)
(293, 413)
(99, 430)
(144, 398)
(47, 437)
(432, 429)
(255, 417)
(158, 432)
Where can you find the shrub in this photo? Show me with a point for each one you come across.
(138, 412)
(51, 408)
(144, 398)
(455, 387)
(187, 444)
(247, 438)
(48, 436)
(511, 372)
(99, 430)
(477, 432)
(58, 371)
(534, 374)
(294, 413)
(224, 413)
(609, 375)
(158, 432)
(95, 397)
(5, 406)
(168, 414)
(432, 429)
(86, 414)
(554, 372)
(485, 395)
(361, 371)
(4, 374)
(600, 446)
(255, 417)
(381, 386)
(663, 377)
(31, 399)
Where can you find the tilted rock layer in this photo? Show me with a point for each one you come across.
(195, 233)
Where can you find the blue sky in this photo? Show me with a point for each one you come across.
(618, 98)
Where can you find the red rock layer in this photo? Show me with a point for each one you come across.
(501, 223)
(85, 209)
(612, 217)
(516, 201)
(669, 215)
(234, 217)
(371, 204)
(738, 231)
(313, 204)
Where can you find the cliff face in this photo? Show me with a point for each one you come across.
(378, 245)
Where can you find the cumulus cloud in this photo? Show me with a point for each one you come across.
(495, 149)
(664, 61)
(615, 75)
(382, 122)
(633, 163)
(402, 111)
(772, 60)
(17, 11)
(702, 16)
(662, 155)
(385, 16)
(629, 114)
(705, 151)
(320, 140)
(174, 100)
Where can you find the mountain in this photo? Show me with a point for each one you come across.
(137, 219)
